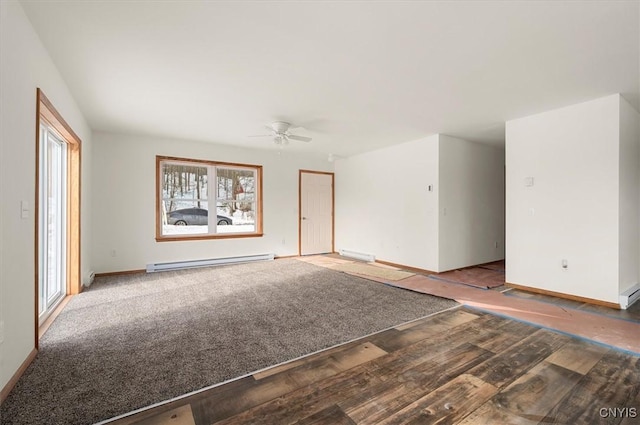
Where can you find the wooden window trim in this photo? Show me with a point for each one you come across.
(46, 113)
(259, 219)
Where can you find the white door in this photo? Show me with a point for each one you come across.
(52, 252)
(316, 212)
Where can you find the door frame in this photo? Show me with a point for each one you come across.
(333, 207)
(47, 114)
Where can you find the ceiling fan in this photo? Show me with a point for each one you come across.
(280, 133)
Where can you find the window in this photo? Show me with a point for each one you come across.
(188, 191)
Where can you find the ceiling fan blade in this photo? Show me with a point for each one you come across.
(299, 138)
(261, 135)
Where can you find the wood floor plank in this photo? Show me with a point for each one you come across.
(632, 415)
(507, 366)
(612, 382)
(361, 354)
(457, 317)
(272, 386)
(578, 356)
(377, 402)
(179, 416)
(306, 401)
(413, 355)
(332, 415)
(447, 404)
(529, 399)
(352, 353)
(229, 391)
(504, 336)
(219, 406)
(323, 367)
(425, 328)
(399, 340)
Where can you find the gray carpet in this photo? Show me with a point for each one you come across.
(131, 341)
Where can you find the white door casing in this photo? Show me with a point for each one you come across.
(316, 212)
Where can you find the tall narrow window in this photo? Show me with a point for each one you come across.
(207, 199)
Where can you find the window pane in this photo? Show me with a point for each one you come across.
(183, 186)
(236, 189)
(243, 220)
(186, 221)
(235, 184)
(236, 195)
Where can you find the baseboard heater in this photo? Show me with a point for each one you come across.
(180, 265)
(630, 296)
(357, 255)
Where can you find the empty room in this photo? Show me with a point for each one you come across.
(425, 212)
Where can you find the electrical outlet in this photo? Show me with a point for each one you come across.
(113, 253)
(1, 331)
(495, 244)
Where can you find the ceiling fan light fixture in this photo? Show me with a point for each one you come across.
(280, 134)
(280, 140)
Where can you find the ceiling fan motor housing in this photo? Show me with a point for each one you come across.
(280, 126)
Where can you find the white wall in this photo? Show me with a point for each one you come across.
(26, 65)
(471, 203)
(629, 231)
(571, 211)
(384, 207)
(124, 204)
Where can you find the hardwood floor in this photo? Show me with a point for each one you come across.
(459, 366)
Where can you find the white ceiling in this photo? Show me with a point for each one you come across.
(356, 75)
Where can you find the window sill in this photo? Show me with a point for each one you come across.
(207, 237)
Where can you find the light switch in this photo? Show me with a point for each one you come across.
(24, 209)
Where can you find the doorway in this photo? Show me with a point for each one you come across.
(316, 211)
(57, 213)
